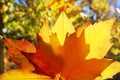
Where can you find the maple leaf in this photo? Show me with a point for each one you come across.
(65, 54)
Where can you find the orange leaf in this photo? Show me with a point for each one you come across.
(14, 50)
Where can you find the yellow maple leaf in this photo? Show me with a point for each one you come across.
(22, 75)
(98, 36)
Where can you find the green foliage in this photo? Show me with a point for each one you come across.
(23, 22)
(116, 40)
(101, 6)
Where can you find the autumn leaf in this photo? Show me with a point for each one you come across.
(65, 53)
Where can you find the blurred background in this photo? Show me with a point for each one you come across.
(22, 19)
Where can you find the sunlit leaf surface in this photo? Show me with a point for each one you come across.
(62, 27)
(98, 36)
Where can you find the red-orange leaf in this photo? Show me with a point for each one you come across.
(75, 66)
(45, 58)
(22, 45)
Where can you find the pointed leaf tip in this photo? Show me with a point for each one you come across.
(45, 32)
(62, 27)
(81, 28)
